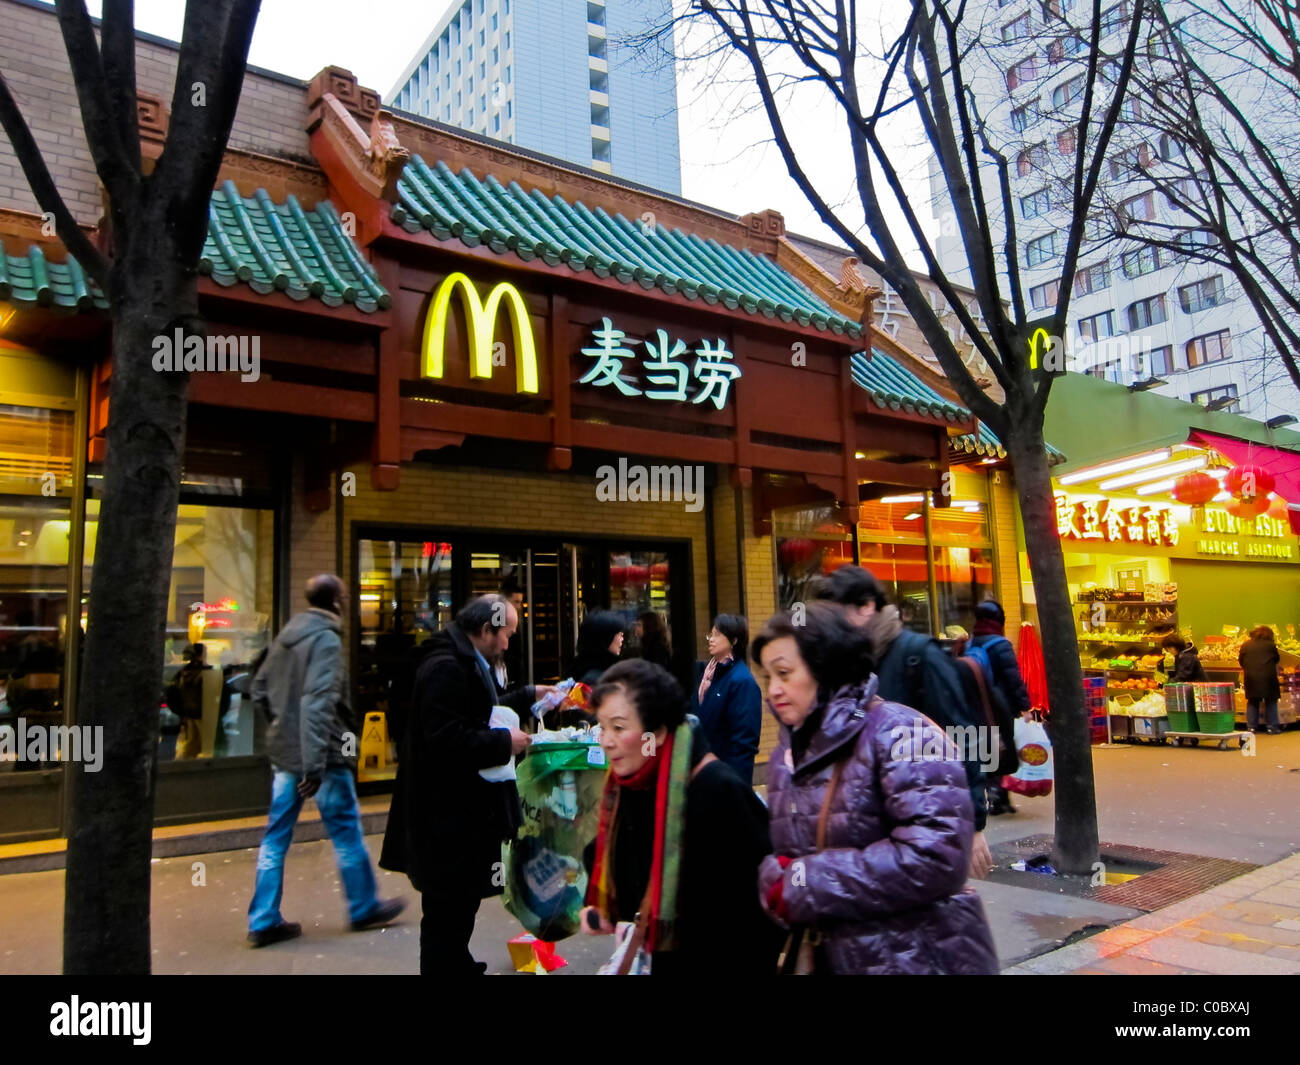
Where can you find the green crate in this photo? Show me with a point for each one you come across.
(1182, 721)
(1225, 721)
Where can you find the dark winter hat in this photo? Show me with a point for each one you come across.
(990, 611)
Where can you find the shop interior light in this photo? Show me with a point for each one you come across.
(900, 499)
(1134, 462)
(913, 516)
(859, 454)
(1170, 469)
(369, 597)
(1157, 487)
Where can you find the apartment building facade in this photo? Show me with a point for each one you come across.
(1138, 315)
(575, 79)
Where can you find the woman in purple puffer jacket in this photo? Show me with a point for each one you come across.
(884, 893)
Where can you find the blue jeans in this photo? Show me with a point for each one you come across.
(1252, 712)
(339, 810)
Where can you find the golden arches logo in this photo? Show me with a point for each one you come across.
(1033, 346)
(481, 318)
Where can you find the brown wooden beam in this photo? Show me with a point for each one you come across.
(476, 421)
(284, 397)
(386, 449)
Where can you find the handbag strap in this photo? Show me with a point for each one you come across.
(823, 818)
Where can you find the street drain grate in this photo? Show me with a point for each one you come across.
(1151, 879)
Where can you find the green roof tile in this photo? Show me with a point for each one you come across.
(268, 246)
(892, 387)
(510, 218)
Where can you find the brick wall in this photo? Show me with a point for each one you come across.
(270, 119)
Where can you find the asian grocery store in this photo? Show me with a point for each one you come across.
(472, 368)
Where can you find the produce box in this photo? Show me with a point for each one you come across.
(1182, 721)
(1121, 727)
(1154, 727)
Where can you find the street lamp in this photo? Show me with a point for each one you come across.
(1148, 384)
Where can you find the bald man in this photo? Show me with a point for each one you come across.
(312, 744)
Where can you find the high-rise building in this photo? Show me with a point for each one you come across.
(1136, 314)
(581, 80)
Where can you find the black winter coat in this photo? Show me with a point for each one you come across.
(916, 671)
(721, 927)
(445, 820)
(1188, 668)
(731, 715)
(1259, 660)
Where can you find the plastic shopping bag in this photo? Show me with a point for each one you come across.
(1034, 777)
(502, 717)
(560, 788)
(640, 964)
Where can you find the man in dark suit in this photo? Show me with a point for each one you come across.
(447, 823)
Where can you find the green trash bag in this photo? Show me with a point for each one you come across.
(560, 787)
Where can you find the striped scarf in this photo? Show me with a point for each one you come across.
(672, 773)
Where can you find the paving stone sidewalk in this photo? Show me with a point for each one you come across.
(1246, 926)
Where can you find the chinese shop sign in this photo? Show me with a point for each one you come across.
(666, 367)
(1112, 522)
(1211, 533)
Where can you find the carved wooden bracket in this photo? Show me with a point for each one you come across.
(362, 103)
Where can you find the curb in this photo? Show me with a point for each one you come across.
(217, 840)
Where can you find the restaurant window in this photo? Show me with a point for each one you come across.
(220, 596)
(35, 490)
(963, 553)
(811, 542)
(891, 541)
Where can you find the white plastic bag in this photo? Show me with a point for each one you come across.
(505, 718)
(1034, 747)
(623, 939)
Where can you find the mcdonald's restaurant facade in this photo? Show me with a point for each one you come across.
(452, 367)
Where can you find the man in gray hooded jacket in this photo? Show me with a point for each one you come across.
(302, 685)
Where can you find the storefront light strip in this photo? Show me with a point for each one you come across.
(1172, 469)
(900, 499)
(1091, 473)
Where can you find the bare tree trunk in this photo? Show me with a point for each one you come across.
(1076, 846)
(107, 902)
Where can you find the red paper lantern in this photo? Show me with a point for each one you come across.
(1195, 489)
(1255, 478)
(659, 571)
(1248, 508)
(638, 575)
(795, 553)
(618, 576)
(1278, 509)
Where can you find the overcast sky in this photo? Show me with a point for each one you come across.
(728, 161)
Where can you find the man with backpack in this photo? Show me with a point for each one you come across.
(990, 647)
(302, 686)
(913, 669)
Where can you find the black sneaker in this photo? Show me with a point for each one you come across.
(385, 911)
(275, 934)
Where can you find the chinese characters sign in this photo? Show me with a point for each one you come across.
(1108, 521)
(666, 365)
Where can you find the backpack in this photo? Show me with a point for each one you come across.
(185, 694)
(983, 692)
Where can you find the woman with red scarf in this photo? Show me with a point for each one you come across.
(680, 837)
